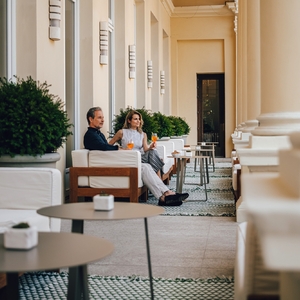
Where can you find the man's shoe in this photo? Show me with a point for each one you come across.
(171, 200)
(183, 196)
(164, 203)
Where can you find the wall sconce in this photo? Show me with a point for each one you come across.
(54, 19)
(162, 82)
(103, 43)
(149, 73)
(131, 61)
(104, 28)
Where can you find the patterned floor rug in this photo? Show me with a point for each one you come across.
(48, 285)
(219, 191)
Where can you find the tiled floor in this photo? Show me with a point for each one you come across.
(183, 246)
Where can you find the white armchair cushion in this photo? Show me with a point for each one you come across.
(24, 190)
(29, 188)
(121, 158)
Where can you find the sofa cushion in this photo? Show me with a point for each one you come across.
(120, 158)
(29, 188)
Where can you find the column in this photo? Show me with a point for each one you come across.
(280, 89)
(280, 68)
(253, 60)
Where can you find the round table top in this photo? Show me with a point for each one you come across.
(54, 250)
(85, 211)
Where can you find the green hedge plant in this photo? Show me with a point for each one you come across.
(185, 125)
(32, 121)
(178, 128)
(165, 125)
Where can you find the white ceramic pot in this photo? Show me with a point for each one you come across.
(21, 238)
(103, 202)
(47, 160)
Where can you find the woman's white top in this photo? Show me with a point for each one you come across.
(135, 136)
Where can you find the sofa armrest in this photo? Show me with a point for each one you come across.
(161, 149)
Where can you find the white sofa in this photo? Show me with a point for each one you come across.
(114, 172)
(23, 191)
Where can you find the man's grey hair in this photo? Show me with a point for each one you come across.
(91, 113)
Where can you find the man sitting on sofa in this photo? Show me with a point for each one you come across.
(94, 139)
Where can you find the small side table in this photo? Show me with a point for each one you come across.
(78, 212)
(54, 250)
(180, 172)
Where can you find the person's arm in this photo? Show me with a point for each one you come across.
(117, 137)
(93, 141)
(147, 147)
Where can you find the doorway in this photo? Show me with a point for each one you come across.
(211, 110)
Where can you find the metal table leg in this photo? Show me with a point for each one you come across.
(78, 283)
(149, 259)
(12, 288)
(206, 162)
(180, 174)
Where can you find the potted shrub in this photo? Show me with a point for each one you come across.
(177, 127)
(32, 121)
(21, 236)
(186, 129)
(150, 125)
(165, 125)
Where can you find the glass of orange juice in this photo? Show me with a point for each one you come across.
(130, 144)
(154, 137)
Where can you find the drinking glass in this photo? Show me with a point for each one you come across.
(130, 144)
(154, 137)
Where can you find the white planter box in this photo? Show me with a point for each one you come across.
(21, 238)
(102, 202)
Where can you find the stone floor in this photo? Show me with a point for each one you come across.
(180, 246)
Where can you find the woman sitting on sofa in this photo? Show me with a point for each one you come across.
(132, 133)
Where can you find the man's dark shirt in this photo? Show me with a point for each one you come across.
(94, 139)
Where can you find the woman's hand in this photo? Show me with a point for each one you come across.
(152, 145)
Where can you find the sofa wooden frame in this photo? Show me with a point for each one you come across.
(133, 192)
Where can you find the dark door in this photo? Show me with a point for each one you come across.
(211, 110)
